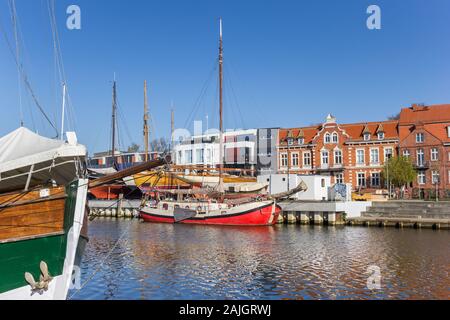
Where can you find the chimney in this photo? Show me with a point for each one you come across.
(417, 106)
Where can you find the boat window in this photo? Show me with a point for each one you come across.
(176, 206)
(187, 207)
(165, 206)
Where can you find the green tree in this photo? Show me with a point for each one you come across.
(399, 171)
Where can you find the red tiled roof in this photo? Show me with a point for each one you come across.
(439, 130)
(308, 133)
(425, 114)
(354, 130)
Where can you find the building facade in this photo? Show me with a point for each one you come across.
(425, 138)
(123, 160)
(266, 150)
(356, 153)
(253, 150)
(204, 150)
(349, 153)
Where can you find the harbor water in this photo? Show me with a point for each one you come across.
(128, 259)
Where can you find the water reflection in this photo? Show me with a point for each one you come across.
(159, 261)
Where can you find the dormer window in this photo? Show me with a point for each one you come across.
(334, 137)
(366, 136)
(290, 141)
(420, 137)
(301, 141)
(327, 138)
(380, 135)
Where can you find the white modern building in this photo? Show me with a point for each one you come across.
(240, 148)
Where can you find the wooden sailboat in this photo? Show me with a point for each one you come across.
(42, 212)
(214, 211)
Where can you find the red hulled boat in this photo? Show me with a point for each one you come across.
(254, 213)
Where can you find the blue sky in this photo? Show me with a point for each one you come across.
(287, 63)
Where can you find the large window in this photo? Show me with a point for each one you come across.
(360, 156)
(307, 159)
(339, 178)
(375, 179)
(284, 160)
(388, 153)
(406, 153)
(327, 138)
(434, 177)
(420, 137)
(420, 157)
(434, 154)
(421, 178)
(374, 156)
(334, 137)
(179, 157)
(295, 159)
(324, 157)
(200, 156)
(337, 157)
(361, 179)
(188, 156)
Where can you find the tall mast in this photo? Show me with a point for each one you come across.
(113, 137)
(146, 122)
(63, 111)
(221, 104)
(172, 128)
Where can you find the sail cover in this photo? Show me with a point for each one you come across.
(23, 151)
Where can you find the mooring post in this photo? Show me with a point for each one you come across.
(119, 205)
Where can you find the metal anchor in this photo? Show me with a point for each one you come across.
(44, 279)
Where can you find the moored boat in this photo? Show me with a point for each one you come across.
(254, 213)
(208, 206)
(42, 214)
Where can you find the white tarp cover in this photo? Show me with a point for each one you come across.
(23, 142)
(52, 159)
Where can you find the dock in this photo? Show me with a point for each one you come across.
(119, 208)
(404, 214)
(321, 212)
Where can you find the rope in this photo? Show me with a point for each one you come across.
(25, 80)
(101, 264)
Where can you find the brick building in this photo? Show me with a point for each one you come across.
(356, 153)
(424, 133)
(349, 153)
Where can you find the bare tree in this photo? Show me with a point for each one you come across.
(160, 145)
(133, 148)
